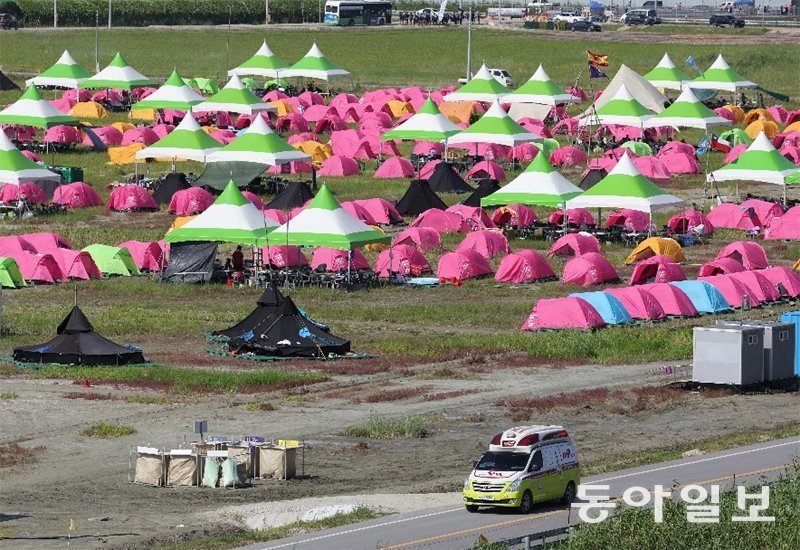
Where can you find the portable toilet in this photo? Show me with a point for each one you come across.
(794, 317)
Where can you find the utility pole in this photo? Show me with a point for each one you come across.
(469, 44)
(266, 12)
(55, 13)
(96, 42)
(109, 14)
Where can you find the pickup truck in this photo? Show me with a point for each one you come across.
(725, 20)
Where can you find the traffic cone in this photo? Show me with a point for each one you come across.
(86, 383)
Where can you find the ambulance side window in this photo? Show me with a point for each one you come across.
(536, 461)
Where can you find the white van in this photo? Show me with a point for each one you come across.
(523, 466)
(500, 75)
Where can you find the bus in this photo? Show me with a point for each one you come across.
(346, 13)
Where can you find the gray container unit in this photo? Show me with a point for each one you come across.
(729, 355)
(778, 347)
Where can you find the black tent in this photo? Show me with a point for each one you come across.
(168, 185)
(419, 197)
(78, 344)
(296, 194)
(277, 328)
(486, 187)
(218, 174)
(592, 177)
(191, 262)
(6, 83)
(446, 179)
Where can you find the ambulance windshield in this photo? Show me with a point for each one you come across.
(503, 461)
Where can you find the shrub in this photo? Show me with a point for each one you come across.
(13, 454)
(379, 427)
(106, 430)
(8, 395)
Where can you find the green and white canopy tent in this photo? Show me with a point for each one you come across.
(16, 168)
(761, 162)
(687, 112)
(33, 110)
(621, 109)
(625, 187)
(720, 76)
(666, 75)
(187, 141)
(117, 75)
(325, 223)
(258, 144)
(263, 63)
(495, 126)
(66, 73)
(173, 94)
(234, 97)
(542, 90)
(231, 219)
(315, 65)
(481, 87)
(427, 124)
(539, 185)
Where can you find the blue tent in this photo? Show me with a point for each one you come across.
(747, 2)
(704, 296)
(595, 6)
(609, 307)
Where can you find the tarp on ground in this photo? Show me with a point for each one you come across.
(190, 262)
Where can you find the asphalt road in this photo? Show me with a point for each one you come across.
(454, 528)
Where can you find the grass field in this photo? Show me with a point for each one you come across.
(426, 324)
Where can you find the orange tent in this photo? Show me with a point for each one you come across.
(124, 155)
(759, 125)
(400, 108)
(758, 114)
(461, 110)
(737, 111)
(88, 109)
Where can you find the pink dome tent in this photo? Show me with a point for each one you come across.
(224, 136)
(569, 312)
(45, 242)
(638, 302)
(489, 151)
(750, 254)
(76, 195)
(401, 259)
(764, 210)
(589, 269)
(38, 268)
(486, 243)
(779, 113)
(731, 289)
(524, 266)
(568, 156)
(536, 126)
(395, 168)
(191, 201)
(720, 266)
(162, 130)
(427, 169)
(130, 198)
(77, 95)
(487, 169)
(107, 134)
(523, 152)
(143, 135)
(62, 134)
(315, 113)
(441, 221)
(784, 227)
(735, 152)
(474, 216)
(575, 216)
(111, 95)
(652, 168)
(656, 269)
(358, 211)
(343, 99)
(566, 126)
(148, 256)
(688, 221)
(382, 211)
(461, 265)
(428, 147)
(630, 220)
(294, 167)
(680, 163)
(673, 301)
(514, 215)
(423, 238)
(76, 264)
(28, 191)
(336, 260)
(283, 256)
(574, 244)
(31, 155)
(672, 147)
(312, 98)
(13, 245)
(254, 199)
(758, 285)
(338, 165)
(784, 277)
(733, 216)
(293, 122)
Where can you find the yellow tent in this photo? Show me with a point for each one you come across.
(460, 110)
(210, 129)
(737, 111)
(758, 114)
(124, 155)
(796, 265)
(88, 109)
(317, 151)
(376, 247)
(793, 127)
(759, 125)
(148, 115)
(123, 126)
(180, 221)
(657, 246)
(400, 108)
(282, 107)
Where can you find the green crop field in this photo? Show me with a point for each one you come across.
(481, 317)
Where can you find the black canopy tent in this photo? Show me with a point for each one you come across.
(6, 83)
(418, 198)
(446, 179)
(77, 343)
(486, 187)
(190, 262)
(296, 194)
(168, 185)
(591, 178)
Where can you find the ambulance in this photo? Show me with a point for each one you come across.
(524, 465)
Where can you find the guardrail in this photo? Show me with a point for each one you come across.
(537, 540)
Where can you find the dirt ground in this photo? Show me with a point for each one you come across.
(86, 480)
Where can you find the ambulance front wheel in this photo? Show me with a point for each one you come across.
(471, 508)
(526, 503)
(569, 493)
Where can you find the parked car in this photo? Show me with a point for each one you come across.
(8, 22)
(725, 20)
(566, 17)
(632, 18)
(500, 75)
(585, 26)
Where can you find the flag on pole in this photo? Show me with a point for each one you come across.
(721, 145)
(594, 72)
(703, 146)
(597, 59)
(692, 64)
